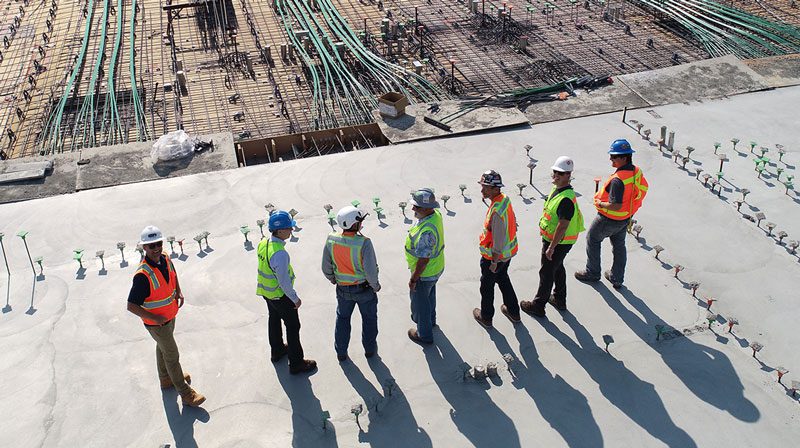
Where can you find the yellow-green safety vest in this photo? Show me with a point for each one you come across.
(345, 251)
(267, 280)
(549, 220)
(432, 223)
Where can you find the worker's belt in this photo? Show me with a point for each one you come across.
(355, 288)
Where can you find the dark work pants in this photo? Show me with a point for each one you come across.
(501, 279)
(552, 272)
(283, 310)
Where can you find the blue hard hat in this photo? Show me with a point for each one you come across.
(280, 220)
(621, 146)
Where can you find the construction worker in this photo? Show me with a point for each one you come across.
(498, 244)
(616, 203)
(276, 286)
(425, 256)
(348, 261)
(156, 297)
(560, 224)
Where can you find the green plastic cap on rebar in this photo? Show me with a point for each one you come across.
(22, 234)
(355, 202)
(77, 254)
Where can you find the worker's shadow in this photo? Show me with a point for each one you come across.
(473, 412)
(707, 372)
(182, 423)
(307, 421)
(565, 408)
(621, 387)
(390, 415)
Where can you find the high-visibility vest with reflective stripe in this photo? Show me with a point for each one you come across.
(267, 280)
(433, 223)
(549, 220)
(345, 251)
(635, 190)
(502, 206)
(163, 291)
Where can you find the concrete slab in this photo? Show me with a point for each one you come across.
(778, 71)
(76, 362)
(712, 78)
(412, 127)
(60, 181)
(122, 164)
(610, 98)
(16, 176)
(15, 165)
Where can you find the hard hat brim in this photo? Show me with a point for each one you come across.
(557, 168)
(434, 205)
(490, 185)
(152, 241)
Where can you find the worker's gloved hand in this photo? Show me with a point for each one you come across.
(180, 300)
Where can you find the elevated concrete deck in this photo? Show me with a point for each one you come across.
(78, 369)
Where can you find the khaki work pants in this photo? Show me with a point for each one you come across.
(167, 356)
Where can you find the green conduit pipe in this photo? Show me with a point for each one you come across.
(142, 133)
(111, 116)
(52, 140)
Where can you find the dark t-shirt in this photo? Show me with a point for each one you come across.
(616, 189)
(141, 285)
(565, 208)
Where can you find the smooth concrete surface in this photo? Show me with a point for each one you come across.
(711, 78)
(79, 370)
(412, 127)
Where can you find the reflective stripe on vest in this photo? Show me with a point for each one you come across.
(501, 206)
(163, 291)
(549, 219)
(345, 251)
(633, 181)
(433, 224)
(267, 284)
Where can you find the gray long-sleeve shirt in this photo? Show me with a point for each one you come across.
(279, 262)
(367, 257)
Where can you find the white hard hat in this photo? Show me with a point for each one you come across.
(151, 234)
(563, 164)
(348, 216)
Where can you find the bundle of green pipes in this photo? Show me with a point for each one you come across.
(343, 96)
(725, 30)
(54, 137)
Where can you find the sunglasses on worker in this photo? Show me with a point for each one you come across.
(156, 245)
(558, 173)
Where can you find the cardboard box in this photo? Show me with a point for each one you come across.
(392, 105)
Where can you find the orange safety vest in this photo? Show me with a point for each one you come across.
(502, 206)
(163, 294)
(635, 190)
(345, 251)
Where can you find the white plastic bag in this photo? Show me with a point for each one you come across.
(172, 146)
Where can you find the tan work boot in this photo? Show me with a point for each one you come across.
(192, 398)
(166, 382)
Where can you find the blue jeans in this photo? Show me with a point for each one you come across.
(423, 308)
(367, 300)
(615, 231)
